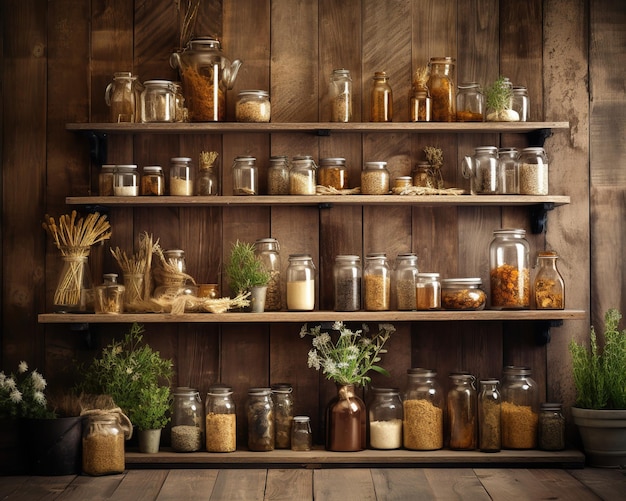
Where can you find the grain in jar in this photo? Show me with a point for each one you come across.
(533, 171)
(152, 181)
(126, 181)
(278, 175)
(103, 443)
(375, 178)
(188, 420)
(253, 106)
(551, 432)
(377, 282)
(333, 173)
(268, 251)
(302, 176)
(520, 408)
(404, 281)
(489, 410)
(221, 419)
(181, 177)
(340, 94)
(381, 98)
(347, 282)
(385, 415)
(428, 291)
(422, 411)
(106, 180)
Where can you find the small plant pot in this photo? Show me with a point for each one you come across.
(149, 441)
(257, 298)
(603, 433)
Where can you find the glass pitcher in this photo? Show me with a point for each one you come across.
(122, 97)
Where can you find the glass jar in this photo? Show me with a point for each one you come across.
(489, 410)
(134, 293)
(462, 412)
(551, 432)
(106, 181)
(442, 86)
(482, 171)
(509, 270)
(122, 96)
(549, 289)
(157, 101)
(420, 106)
(520, 406)
(507, 171)
(301, 435)
(385, 419)
(282, 399)
(221, 420)
(347, 281)
(260, 418)
(520, 103)
(103, 444)
(402, 182)
(404, 281)
(74, 291)
(152, 181)
(253, 106)
(245, 176)
(300, 283)
(278, 176)
(333, 173)
(302, 176)
(533, 171)
(181, 177)
(207, 183)
(470, 103)
(428, 291)
(462, 294)
(381, 98)
(377, 282)
(268, 250)
(340, 95)
(375, 179)
(110, 295)
(176, 258)
(180, 111)
(423, 411)
(422, 175)
(126, 182)
(188, 420)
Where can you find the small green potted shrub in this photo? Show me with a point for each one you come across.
(151, 416)
(246, 274)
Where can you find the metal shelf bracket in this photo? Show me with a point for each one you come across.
(542, 331)
(539, 217)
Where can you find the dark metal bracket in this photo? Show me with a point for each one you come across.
(322, 132)
(542, 330)
(97, 146)
(539, 217)
(538, 137)
(84, 329)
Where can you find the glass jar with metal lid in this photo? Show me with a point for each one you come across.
(551, 432)
(489, 410)
(188, 420)
(508, 171)
(278, 176)
(181, 177)
(302, 176)
(260, 418)
(340, 94)
(404, 281)
(470, 103)
(375, 179)
(549, 289)
(282, 398)
(152, 181)
(462, 412)
(442, 87)
(126, 181)
(176, 258)
(347, 279)
(385, 415)
(245, 176)
(109, 295)
(520, 408)
(300, 283)
(520, 102)
(221, 419)
(423, 411)
(428, 291)
(381, 98)
(482, 171)
(462, 294)
(301, 435)
(333, 173)
(268, 250)
(422, 174)
(106, 181)
(509, 269)
(377, 282)
(533, 171)
(158, 101)
(123, 97)
(253, 106)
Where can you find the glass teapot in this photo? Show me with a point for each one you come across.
(206, 75)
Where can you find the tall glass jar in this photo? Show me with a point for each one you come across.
(423, 411)
(221, 420)
(470, 103)
(245, 176)
(180, 111)
(347, 281)
(74, 291)
(122, 96)
(282, 398)
(551, 433)
(253, 106)
(375, 179)
(404, 281)
(302, 176)
(549, 288)
(508, 174)
(126, 181)
(533, 171)
(301, 435)
(268, 250)
(420, 103)
(260, 418)
(158, 101)
(109, 295)
(428, 291)
(188, 420)
(278, 176)
(482, 171)
(385, 419)
(520, 103)
(489, 410)
(181, 177)
(509, 270)
(207, 183)
(381, 98)
(442, 86)
(520, 409)
(340, 94)
(333, 173)
(462, 412)
(377, 282)
(106, 180)
(104, 434)
(300, 283)
(152, 181)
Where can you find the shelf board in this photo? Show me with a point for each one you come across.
(313, 316)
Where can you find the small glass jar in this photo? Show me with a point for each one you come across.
(462, 294)
(181, 177)
(103, 445)
(126, 182)
(533, 171)
(347, 281)
(420, 106)
(123, 97)
(221, 420)
(207, 183)
(404, 281)
(106, 181)
(268, 250)
(152, 181)
(300, 283)
(158, 101)
(301, 435)
(482, 171)
(282, 399)
(489, 410)
(442, 86)
(180, 111)
(520, 103)
(422, 176)
(278, 176)
(507, 171)
(549, 288)
(423, 411)
(253, 106)
(302, 176)
(509, 270)
(260, 418)
(385, 419)
(375, 179)
(402, 182)
(176, 257)
(462, 412)
(520, 408)
(110, 295)
(551, 433)
(340, 94)
(381, 98)
(333, 173)
(377, 282)
(470, 103)
(188, 420)
(245, 176)
(428, 291)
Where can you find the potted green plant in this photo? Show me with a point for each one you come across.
(600, 378)
(246, 274)
(151, 416)
(498, 99)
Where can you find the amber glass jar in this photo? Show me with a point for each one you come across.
(381, 98)
(152, 181)
(462, 412)
(549, 289)
(333, 173)
(106, 180)
(442, 86)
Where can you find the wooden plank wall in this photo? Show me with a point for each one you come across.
(58, 57)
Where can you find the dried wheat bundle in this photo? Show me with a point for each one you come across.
(426, 190)
(166, 273)
(177, 304)
(207, 159)
(329, 190)
(140, 264)
(73, 235)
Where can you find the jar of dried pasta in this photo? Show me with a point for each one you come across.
(509, 269)
(520, 408)
(333, 173)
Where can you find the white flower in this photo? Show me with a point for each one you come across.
(15, 396)
(129, 370)
(388, 328)
(22, 367)
(39, 383)
(314, 360)
(9, 384)
(39, 397)
(2, 379)
(303, 331)
(352, 352)
(321, 340)
(342, 365)
(337, 326)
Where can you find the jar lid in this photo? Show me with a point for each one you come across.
(404, 178)
(254, 92)
(299, 257)
(110, 277)
(158, 83)
(510, 231)
(122, 74)
(332, 161)
(375, 165)
(380, 75)
(551, 406)
(490, 149)
(507, 150)
(519, 370)
(259, 391)
(547, 254)
(108, 168)
(301, 419)
(180, 159)
(204, 43)
(376, 255)
(461, 281)
(420, 371)
(184, 390)
(277, 158)
(534, 149)
(174, 253)
(347, 257)
(375, 389)
(490, 381)
(469, 85)
(126, 166)
(152, 168)
(282, 388)
(220, 389)
(268, 240)
(341, 71)
(429, 276)
(245, 159)
(444, 60)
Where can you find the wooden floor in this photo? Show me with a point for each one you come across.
(344, 484)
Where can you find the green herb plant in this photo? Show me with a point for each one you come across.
(498, 100)
(600, 372)
(152, 408)
(245, 270)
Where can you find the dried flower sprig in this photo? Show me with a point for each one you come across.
(421, 75)
(434, 156)
(187, 15)
(72, 233)
(22, 394)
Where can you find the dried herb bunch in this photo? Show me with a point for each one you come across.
(187, 15)
(434, 156)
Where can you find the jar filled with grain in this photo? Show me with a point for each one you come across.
(442, 86)
(422, 175)
(260, 419)
(301, 435)
(428, 291)
(245, 176)
(533, 171)
(106, 180)
(381, 98)
(470, 103)
(300, 283)
(188, 420)
(462, 412)
(520, 102)
(520, 408)
(489, 410)
(340, 94)
(158, 101)
(377, 282)
(385, 418)
(333, 173)
(347, 281)
(551, 427)
(278, 176)
(402, 182)
(104, 433)
(423, 411)
(126, 181)
(152, 181)
(268, 251)
(509, 270)
(404, 281)
(482, 171)
(253, 106)
(109, 295)
(549, 288)
(221, 419)
(462, 294)
(508, 173)
(375, 179)
(282, 398)
(302, 176)
(181, 177)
